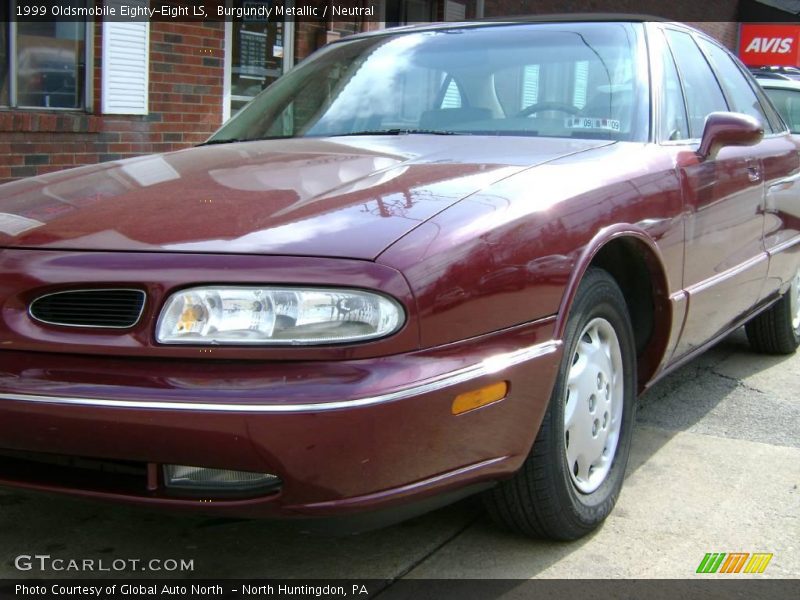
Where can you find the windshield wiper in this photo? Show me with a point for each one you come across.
(223, 141)
(399, 131)
(234, 140)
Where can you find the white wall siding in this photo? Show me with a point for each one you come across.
(454, 11)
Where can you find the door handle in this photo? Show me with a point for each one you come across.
(753, 170)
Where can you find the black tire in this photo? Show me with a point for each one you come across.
(541, 500)
(772, 331)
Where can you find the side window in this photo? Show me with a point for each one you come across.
(581, 84)
(530, 85)
(788, 104)
(567, 83)
(5, 13)
(703, 95)
(673, 125)
(518, 87)
(50, 63)
(452, 97)
(742, 97)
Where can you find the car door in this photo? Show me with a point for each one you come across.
(778, 160)
(725, 264)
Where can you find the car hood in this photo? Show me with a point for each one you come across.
(345, 197)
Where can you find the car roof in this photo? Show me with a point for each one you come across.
(553, 18)
(783, 84)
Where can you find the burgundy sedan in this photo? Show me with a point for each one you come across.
(427, 262)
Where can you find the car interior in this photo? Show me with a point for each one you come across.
(561, 83)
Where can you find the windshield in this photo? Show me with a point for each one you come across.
(558, 80)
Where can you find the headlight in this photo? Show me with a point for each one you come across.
(276, 315)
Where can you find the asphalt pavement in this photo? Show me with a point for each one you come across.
(715, 467)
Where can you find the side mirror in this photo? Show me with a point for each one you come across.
(728, 129)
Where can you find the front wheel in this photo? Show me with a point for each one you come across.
(571, 479)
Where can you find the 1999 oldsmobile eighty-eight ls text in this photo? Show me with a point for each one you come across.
(425, 263)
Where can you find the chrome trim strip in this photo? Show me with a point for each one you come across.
(493, 364)
(727, 274)
(785, 245)
(138, 317)
(790, 180)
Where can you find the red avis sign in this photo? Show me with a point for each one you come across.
(769, 45)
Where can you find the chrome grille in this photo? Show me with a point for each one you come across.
(110, 308)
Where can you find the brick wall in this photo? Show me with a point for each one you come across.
(726, 32)
(186, 79)
(692, 12)
(308, 37)
(311, 35)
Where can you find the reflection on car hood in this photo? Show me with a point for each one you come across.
(347, 197)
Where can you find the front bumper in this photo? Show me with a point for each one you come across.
(343, 436)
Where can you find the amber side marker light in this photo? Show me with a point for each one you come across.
(480, 397)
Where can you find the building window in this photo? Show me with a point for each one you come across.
(259, 54)
(43, 63)
(4, 27)
(402, 12)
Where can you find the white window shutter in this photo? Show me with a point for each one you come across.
(454, 11)
(126, 49)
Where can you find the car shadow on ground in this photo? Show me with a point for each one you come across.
(727, 391)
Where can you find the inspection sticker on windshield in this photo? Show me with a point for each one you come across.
(591, 123)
